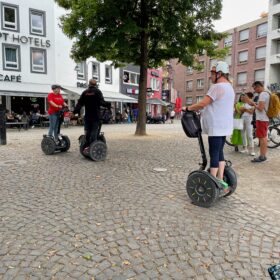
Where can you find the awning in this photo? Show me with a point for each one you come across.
(25, 89)
(109, 96)
(156, 101)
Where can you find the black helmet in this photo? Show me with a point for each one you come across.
(56, 86)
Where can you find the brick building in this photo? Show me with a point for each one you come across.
(246, 58)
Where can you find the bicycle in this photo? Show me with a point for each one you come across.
(273, 135)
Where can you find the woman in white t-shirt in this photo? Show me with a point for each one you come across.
(247, 132)
(217, 117)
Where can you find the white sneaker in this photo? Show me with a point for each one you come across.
(245, 151)
(252, 153)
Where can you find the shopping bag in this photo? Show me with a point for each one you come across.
(238, 124)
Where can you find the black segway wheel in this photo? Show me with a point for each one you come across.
(231, 179)
(65, 143)
(82, 142)
(48, 145)
(202, 189)
(98, 151)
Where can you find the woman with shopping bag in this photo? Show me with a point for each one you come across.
(236, 138)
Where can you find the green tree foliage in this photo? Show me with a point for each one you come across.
(143, 32)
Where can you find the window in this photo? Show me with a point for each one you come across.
(228, 41)
(200, 83)
(244, 35)
(95, 71)
(81, 73)
(10, 17)
(189, 85)
(243, 57)
(155, 84)
(130, 78)
(11, 57)
(108, 74)
(189, 100)
(262, 30)
(37, 22)
(199, 98)
(189, 70)
(278, 47)
(260, 53)
(242, 78)
(228, 59)
(38, 61)
(259, 75)
(201, 64)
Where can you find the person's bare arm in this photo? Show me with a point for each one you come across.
(55, 105)
(200, 105)
(260, 106)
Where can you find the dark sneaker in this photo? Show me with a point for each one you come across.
(259, 159)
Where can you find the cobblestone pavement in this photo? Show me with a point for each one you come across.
(65, 217)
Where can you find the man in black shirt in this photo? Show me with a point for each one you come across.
(92, 98)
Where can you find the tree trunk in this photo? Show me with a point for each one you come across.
(141, 122)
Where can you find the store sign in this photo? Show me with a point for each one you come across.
(10, 78)
(14, 38)
(132, 91)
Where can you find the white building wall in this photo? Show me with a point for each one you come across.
(272, 73)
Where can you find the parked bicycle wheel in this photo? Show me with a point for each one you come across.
(273, 139)
(228, 141)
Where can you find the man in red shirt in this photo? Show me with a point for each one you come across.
(56, 102)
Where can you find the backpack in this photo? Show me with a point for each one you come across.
(274, 106)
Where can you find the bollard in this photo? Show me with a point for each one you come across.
(3, 134)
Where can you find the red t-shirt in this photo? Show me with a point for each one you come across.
(57, 99)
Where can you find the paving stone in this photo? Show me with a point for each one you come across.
(130, 221)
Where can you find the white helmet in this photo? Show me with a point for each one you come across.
(223, 67)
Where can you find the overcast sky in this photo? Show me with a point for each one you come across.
(238, 12)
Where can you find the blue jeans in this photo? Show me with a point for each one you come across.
(54, 123)
(216, 150)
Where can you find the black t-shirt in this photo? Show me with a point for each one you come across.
(92, 98)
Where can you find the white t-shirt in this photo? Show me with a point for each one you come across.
(217, 117)
(246, 114)
(261, 115)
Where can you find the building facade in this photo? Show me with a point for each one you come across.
(36, 54)
(246, 58)
(272, 76)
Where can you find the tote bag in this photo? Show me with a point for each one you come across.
(238, 124)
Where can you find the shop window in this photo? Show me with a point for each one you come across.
(108, 74)
(37, 22)
(10, 17)
(81, 70)
(38, 61)
(11, 57)
(96, 71)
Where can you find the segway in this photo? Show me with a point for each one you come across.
(203, 188)
(48, 144)
(98, 149)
